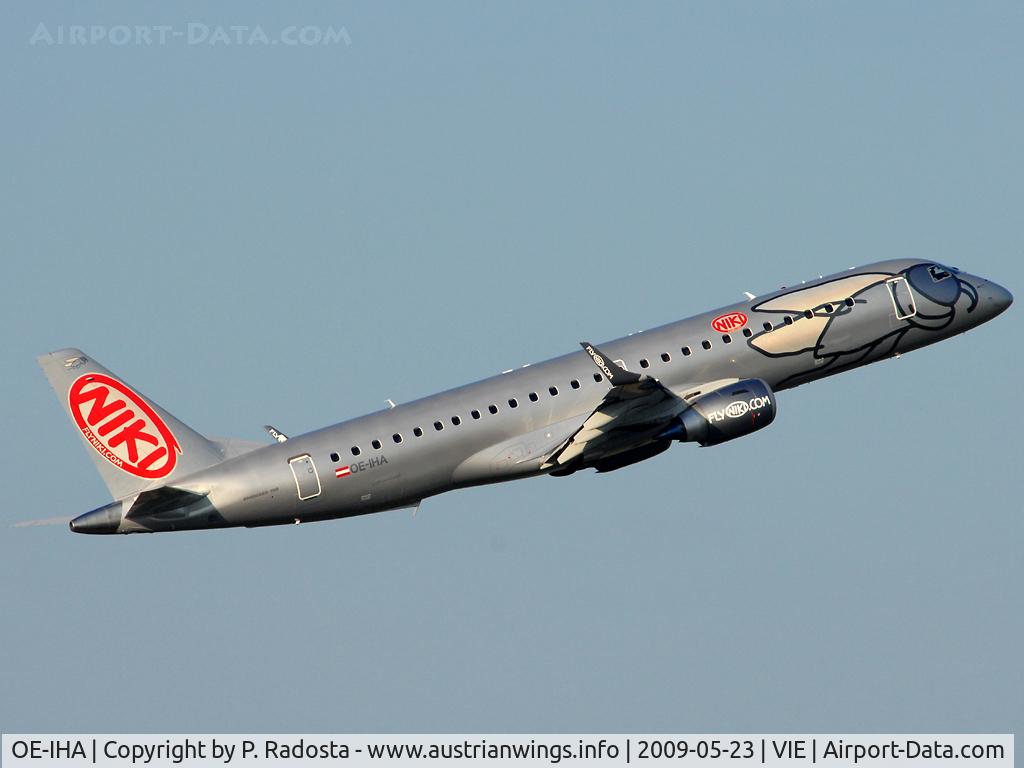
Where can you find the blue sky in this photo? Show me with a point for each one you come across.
(291, 234)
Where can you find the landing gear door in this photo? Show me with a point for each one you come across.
(307, 481)
(902, 298)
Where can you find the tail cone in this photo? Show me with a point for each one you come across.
(103, 520)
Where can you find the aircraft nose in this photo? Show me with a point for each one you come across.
(998, 298)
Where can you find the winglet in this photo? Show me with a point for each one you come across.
(275, 433)
(616, 375)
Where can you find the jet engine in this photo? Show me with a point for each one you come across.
(726, 413)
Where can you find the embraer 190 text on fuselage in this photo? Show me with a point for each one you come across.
(706, 379)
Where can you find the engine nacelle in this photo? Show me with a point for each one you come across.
(726, 413)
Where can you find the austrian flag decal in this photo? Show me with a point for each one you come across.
(342, 471)
(122, 427)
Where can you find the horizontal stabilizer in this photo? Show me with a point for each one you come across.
(162, 500)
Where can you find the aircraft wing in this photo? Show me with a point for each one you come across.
(634, 413)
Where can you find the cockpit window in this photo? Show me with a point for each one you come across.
(938, 273)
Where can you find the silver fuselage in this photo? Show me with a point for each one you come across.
(854, 320)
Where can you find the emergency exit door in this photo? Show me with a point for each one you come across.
(307, 481)
(902, 298)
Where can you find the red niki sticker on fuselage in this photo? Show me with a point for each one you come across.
(729, 322)
(122, 427)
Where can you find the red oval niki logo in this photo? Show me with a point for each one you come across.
(729, 322)
(122, 426)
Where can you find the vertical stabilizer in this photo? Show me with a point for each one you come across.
(135, 443)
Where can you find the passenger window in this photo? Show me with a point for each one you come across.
(492, 408)
(597, 377)
(553, 391)
(747, 332)
(787, 320)
(513, 403)
(574, 384)
(644, 363)
(438, 426)
(456, 420)
(417, 431)
(808, 314)
(685, 351)
(475, 414)
(829, 309)
(396, 437)
(533, 397)
(666, 357)
(376, 445)
(768, 326)
(335, 458)
(355, 450)
(706, 344)
(849, 302)
(726, 338)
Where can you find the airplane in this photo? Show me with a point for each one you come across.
(707, 379)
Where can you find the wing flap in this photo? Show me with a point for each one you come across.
(634, 411)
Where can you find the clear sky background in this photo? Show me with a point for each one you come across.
(258, 234)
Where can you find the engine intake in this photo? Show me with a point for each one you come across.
(726, 413)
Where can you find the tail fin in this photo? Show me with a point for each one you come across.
(135, 443)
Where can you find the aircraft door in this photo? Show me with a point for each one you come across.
(307, 481)
(902, 298)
